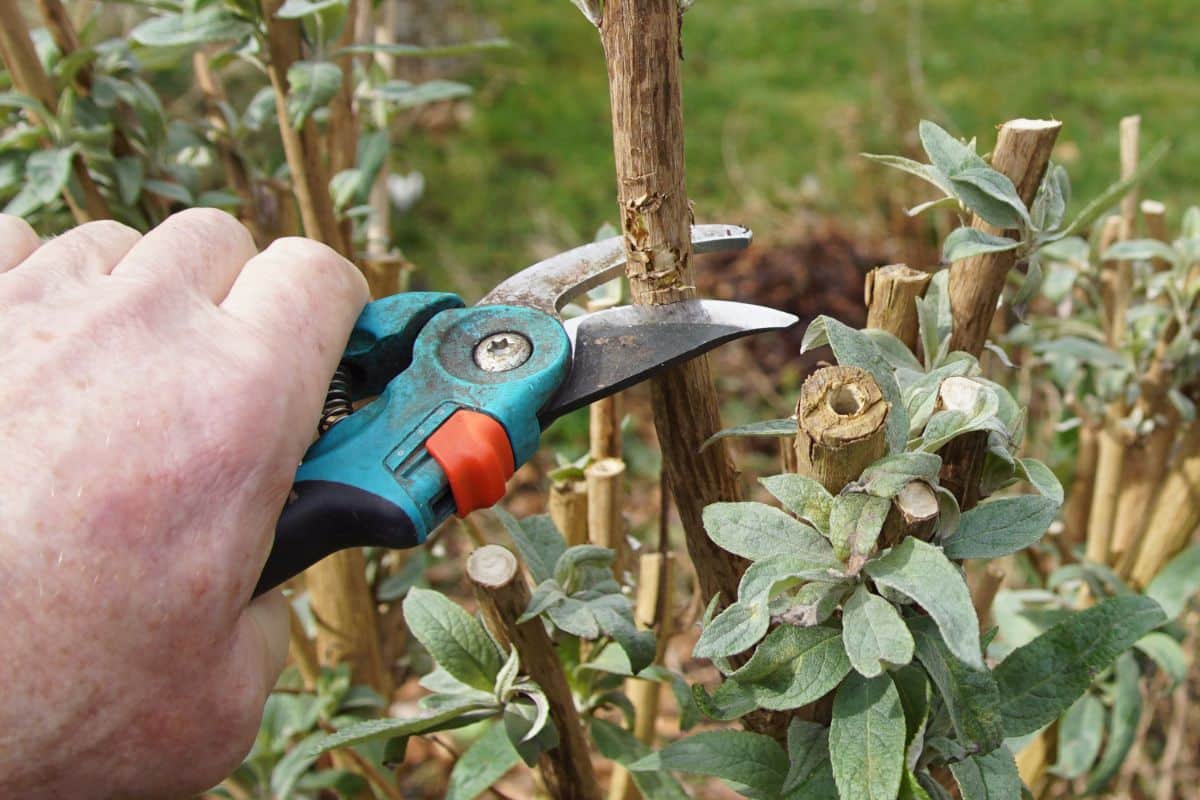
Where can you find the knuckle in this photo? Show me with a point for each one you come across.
(104, 232)
(15, 229)
(212, 226)
(323, 265)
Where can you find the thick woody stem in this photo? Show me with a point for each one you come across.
(1110, 456)
(1175, 513)
(983, 594)
(604, 429)
(569, 510)
(642, 52)
(28, 77)
(914, 512)
(503, 597)
(62, 31)
(1022, 153)
(891, 295)
(302, 148)
(842, 426)
(1079, 501)
(652, 611)
(605, 524)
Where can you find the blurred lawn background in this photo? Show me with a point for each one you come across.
(780, 96)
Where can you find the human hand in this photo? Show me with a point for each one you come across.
(156, 395)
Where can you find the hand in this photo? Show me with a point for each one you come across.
(156, 395)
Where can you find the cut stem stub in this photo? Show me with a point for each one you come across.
(842, 418)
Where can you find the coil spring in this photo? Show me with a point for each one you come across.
(338, 404)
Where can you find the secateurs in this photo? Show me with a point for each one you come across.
(463, 394)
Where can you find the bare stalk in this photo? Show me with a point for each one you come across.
(983, 593)
(642, 51)
(1175, 513)
(605, 524)
(569, 510)
(1022, 153)
(503, 597)
(842, 425)
(28, 77)
(891, 294)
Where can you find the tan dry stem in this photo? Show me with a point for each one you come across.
(503, 597)
(1111, 443)
(1175, 513)
(1079, 501)
(891, 294)
(842, 425)
(1022, 152)
(605, 524)
(569, 510)
(983, 594)
(604, 428)
(641, 40)
(914, 513)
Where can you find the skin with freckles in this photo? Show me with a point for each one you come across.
(156, 395)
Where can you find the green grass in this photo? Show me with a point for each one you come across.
(779, 96)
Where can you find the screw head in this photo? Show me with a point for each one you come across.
(502, 352)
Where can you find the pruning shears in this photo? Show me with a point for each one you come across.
(462, 395)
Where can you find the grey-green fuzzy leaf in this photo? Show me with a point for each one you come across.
(874, 634)
(1001, 526)
(1041, 679)
(971, 696)
(771, 427)
(1080, 732)
(966, 242)
(756, 530)
(921, 572)
(1122, 723)
(802, 496)
(866, 738)
(735, 629)
(855, 522)
(810, 773)
(988, 777)
(793, 666)
(751, 763)
(1177, 582)
(482, 764)
(455, 639)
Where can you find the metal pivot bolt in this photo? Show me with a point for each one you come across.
(502, 352)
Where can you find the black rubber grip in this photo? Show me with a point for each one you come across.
(322, 517)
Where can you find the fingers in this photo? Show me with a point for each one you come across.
(202, 249)
(303, 299)
(268, 616)
(17, 241)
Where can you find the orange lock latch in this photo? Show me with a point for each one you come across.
(474, 452)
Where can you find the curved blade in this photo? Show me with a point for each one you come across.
(621, 346)
(551, 284)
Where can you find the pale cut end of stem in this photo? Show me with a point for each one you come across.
(569, 510)
(914, 513)
(492, 566)
(606, 526)
(842, 425)
(891, 295)
(959, 394)
(1154, 217)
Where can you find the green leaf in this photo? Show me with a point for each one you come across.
(988, 777)
(971, 695)
(854, 525)
(991, 195)
(295, 762)
(813, 603)
(1141, 250)
(913, 686)
(47, 172)
(1001, 526)
(1040, 680)
(212, 23)
(1080, 732)
(967, 242)
(401, 50)
(894, 351)
(538, 541)
(169, 190)
(750, 763)
(311, 85)
(735, 629)
(853, 348)
(529, 728)
(886, 477)
(1089, 352)
(447, 717)
(766, 578)
(756, 530)
(874, 634)
(771, 427)
(1051, 200)
(483, 763)
(545, 594)
(948, 154)
(911, 788)
(1102, 202)
(926, 172)
(619, 745)
(866, 738)
(792, 667)
(802, 496)
(1042, 478)
(401, 94)
(921, 572)
(1166, 653)
(614, 614)
(575, 617)
(579, 557)
(297, 9)
(810, 773)
(1174, 586)
(455, 639)
(1122, 723)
